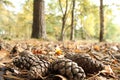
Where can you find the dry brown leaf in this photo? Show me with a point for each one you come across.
(4, 55)
(37, 51)
(96, 48)
(108, 71)
(77, 51)
(114, 61)
(97, 78)
(10, 77)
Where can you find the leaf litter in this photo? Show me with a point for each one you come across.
(107, 53)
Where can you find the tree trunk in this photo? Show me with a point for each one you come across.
(101, 22)
(63, 26)
(39, 26)
(63, 19)
(72, 21)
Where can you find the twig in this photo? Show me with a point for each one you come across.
(12, 77)
(112, 56)
(91, 78)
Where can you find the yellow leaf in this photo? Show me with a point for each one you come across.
(58, 51)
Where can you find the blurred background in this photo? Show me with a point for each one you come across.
(16, 18)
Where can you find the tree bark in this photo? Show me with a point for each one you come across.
(63, 19)
(101, 22)
(72, 21)
(39, 26)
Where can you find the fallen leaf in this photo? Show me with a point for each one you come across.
(58, 51)
(96, 48)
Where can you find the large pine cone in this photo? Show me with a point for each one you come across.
(45, 57)
(38, 68)
(68, 68)
(89, 64)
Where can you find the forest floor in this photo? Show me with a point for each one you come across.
(105, 52)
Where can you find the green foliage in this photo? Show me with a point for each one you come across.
(6, 19)
(24, 20)
(111, 31)
(86, 19)
(6, 2)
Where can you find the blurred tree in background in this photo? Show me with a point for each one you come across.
(39, 24)
(101, 38)
(86, 20)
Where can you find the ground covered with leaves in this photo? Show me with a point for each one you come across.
(92, 60)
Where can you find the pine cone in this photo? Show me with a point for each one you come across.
(48, 58)
(37, 68)
(25, 60)
(68, 68)
(89, 64)
(43, 57)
